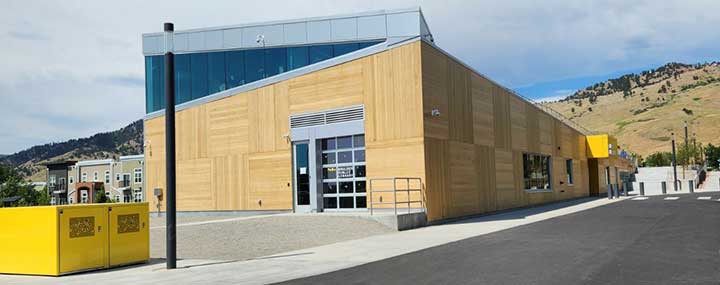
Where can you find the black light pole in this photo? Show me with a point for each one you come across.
(171, 242)
(687, 151)
(674, 163)
(695, 149)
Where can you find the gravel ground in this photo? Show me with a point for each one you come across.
(256, 237)
(160, 221)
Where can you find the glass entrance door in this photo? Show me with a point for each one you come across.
(343, 173)
(301, 176)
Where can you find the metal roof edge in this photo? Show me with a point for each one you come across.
(297, 20)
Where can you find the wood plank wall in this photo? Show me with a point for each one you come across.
(614, 161)
(233, 154)
(474, 148)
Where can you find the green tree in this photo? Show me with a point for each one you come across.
(662, 158)
(43, 197)
(100, 196)
(688, 154)
(12, 185)
(712, 155)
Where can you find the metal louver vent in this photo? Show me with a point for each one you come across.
(328, 117)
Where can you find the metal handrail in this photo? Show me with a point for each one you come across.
(395, 189)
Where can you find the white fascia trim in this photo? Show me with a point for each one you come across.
(291, 21)
(94, 162)
(380, 47)
(132, 157)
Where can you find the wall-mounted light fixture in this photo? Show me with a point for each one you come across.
(435, 113)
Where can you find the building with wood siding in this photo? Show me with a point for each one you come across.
(301, 115)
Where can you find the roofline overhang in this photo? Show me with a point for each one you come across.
(357, 27)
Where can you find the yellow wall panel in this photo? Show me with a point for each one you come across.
(28, 240)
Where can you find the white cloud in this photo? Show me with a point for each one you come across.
(76, 67)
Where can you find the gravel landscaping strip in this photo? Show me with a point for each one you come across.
(262, 236)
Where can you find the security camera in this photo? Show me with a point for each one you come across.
(260, 38)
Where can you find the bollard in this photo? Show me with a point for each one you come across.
(642, 188)
(625, 189)
(663, 186)
(691, 186)
(617, 191)
(609, 191)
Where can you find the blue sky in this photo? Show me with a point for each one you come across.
(74, 68)
(559, 89)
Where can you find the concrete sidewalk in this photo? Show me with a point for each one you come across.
(317, 260)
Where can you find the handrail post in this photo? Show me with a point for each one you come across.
(407, 182)
(371, 200)
(395, 193)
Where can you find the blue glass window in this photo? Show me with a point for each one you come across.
(149, 81)
(367, 44)
(275, 61)
(320, 52)
(235, 68)
(297, 57)
(154, 83)
(200, 74)
(341, 49)
(216, 72)
(199, 68)
(254, 65)
(183, 92)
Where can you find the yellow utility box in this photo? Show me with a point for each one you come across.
(56, 240)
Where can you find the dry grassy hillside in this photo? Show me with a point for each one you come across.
(643, 115)
(125, 141)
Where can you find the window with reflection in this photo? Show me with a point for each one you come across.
(343, 164)
(183, 91)
(199, 68)
(340, 49)
(216, 72)
(204, 73)
(297, 57)
(254, 65)
(536, 171)
(275, 61)
(235, 68)
(319, 53)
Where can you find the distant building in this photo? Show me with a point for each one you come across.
(71, 182)
(131, 178)
(58, 177)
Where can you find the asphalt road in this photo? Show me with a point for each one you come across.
(653, 241)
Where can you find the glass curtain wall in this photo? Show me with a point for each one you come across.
(200, 74)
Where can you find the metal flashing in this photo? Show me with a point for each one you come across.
(364, 26)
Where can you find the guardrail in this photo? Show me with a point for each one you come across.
(394, 192)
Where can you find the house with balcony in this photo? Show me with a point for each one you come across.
(57, 180)
(130, 178)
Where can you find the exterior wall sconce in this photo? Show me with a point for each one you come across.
(435, 113)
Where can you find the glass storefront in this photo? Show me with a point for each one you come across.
(343, 172)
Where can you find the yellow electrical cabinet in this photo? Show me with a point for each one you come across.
(56, 240)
